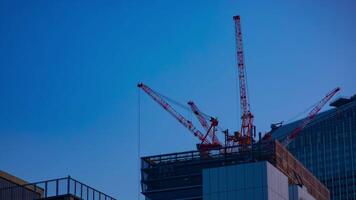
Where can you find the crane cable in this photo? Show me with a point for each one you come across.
(185, 107)
(206, 116)
(181, 105)
(295, 117)
(139, 143)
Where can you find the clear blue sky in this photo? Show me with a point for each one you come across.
(69, 69)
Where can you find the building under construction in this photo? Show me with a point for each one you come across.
(187, 175)
(180, 175)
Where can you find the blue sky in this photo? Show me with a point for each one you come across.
(69, 69)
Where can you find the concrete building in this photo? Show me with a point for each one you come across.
(297, 192)
(254, 181)
(326, 146)
(13, 192)
(261, 171)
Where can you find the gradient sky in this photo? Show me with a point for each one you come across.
(69, 69)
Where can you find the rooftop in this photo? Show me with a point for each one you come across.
(54, 189)
(166, 174)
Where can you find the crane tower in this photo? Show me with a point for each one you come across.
(247, 128)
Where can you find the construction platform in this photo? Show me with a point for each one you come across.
(179, 175)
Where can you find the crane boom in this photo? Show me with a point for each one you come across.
(188, 124)
(204, 123)
(199, 115)
(247, 117)
(310, 117)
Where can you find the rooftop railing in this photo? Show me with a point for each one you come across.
(263, 148)
(66, 186)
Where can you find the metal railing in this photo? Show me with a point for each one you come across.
(262, 148)
(66, 186)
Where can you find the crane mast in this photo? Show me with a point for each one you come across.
(188, 124)
(247, 117)
(310, 117)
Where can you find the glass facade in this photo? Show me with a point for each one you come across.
(327, 147)
(253, 181)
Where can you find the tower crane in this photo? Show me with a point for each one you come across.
(202, 119)
(310, 117)
(205, 144)
(247, 128)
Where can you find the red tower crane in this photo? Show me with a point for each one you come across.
(247, 126)
(210, 130)
(188, 124)
(205, 144)
(310, 117)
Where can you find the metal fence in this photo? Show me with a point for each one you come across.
(252, 152)
(66, 186)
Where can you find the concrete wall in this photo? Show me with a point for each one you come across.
(296, 193)
(253, 181)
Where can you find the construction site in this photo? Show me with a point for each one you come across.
(185, 175)
(178, 100)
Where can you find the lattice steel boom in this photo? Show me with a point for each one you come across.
(247, 117)
(310, 117)
(188, 124)
(201, 118)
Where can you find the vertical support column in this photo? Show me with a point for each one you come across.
(11, 191)
(57, 187)
(81, 191)
(68, 184)
(46, 188)
(75, 187)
